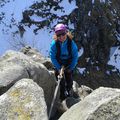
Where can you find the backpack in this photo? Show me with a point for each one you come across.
(69, 45)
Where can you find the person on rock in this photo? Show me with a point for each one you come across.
(64, 52)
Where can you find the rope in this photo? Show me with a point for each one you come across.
(53, 101)
(60, 76)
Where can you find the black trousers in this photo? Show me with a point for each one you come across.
(65, 84)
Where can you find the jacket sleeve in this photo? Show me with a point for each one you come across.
(74, 56)
(53, 51)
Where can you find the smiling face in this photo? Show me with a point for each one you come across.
(61, 36)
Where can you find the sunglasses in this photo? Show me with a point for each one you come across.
(61, 34)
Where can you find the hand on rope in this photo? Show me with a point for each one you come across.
(61, 72)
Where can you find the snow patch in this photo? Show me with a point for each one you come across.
(89, 13)
(115, 59)
(81, 70)
(87, 59)
(93, 1)
(112, 50)
(102, 1)
(108, 72)
(80, 52)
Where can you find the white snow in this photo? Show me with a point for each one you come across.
(112, 50)
(89, 13)
(93, 1)
(87, 59)
(80, 52)
(108, 72)
(102, 1)
(81, 70)
(115, 59)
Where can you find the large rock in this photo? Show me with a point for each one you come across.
(102, 104)
(79, 93)
(24, 101)
(83, 91)
(9, 74)
(37, 57)
(16, 65)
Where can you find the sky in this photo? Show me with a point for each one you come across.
(43, 38)
(17, 7)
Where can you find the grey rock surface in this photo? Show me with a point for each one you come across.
(101, 104)
(23, 101)
(16, 65)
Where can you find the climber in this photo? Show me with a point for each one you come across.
(64, 52)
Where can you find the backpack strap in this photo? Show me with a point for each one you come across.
(69, 47)
(58, 51)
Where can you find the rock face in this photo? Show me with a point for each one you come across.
(24, 101)
(79, 93)
(102, 104)
(37, 57)
(9, 74)
(16, 65)
(83, 91)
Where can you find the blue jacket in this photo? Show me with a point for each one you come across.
(64, 54)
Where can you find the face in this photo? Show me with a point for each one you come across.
(61, 36)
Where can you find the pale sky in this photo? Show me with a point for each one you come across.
(43, 36)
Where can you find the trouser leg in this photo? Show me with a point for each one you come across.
(69, 80)
(62, 89)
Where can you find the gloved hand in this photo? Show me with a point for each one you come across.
(61, 72)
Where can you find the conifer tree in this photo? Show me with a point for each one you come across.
(96, 25)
